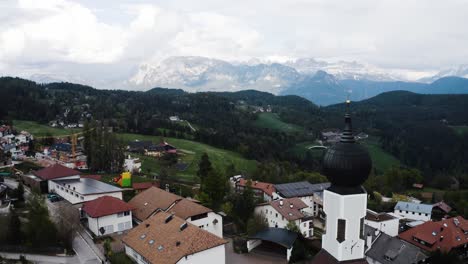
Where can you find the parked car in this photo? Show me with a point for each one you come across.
(54, 198)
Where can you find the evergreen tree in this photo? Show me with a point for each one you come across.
(14, 235)
(40, 230)
(204, 167)
(20, 191)
(215, 187)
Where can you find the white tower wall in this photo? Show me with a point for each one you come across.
(351, 208)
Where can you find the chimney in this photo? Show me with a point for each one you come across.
(281, 202)
(369, 240)
(441, 238)
(183, 226)
(147, 225)
(291, 206)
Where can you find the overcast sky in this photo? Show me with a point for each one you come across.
(43, 35)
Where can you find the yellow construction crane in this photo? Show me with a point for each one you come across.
(73, 139)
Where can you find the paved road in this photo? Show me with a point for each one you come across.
(84, 247)
(41, 259)
(86, 253)
(252, 257)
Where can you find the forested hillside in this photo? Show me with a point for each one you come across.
(225, 120)
(423, 131)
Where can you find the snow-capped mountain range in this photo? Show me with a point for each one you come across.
(201, 74)
(319, 81)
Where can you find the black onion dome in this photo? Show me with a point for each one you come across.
(347, 163)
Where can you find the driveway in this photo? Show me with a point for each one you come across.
(252, 257)
(85, 249)
(41, 259)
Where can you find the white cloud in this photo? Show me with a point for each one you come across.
(419, 35)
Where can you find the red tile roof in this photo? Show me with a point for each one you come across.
(444, 235)
(266, 187)
(151, 200)
(162, 241)
(55, 171)
(289, 208)
(443, 206)
(94, 177)
(105, 205)
(144, 185)
(185, 209)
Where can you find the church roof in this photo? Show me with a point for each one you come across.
(347, 163)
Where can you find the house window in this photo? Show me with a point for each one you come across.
(82, 198)
(341, 230)
(76, 195)
(127, 213)
(276, 215)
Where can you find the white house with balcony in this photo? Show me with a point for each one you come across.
(280, 213)
(310, 194)
(107, 215)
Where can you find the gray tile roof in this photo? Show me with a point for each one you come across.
(414, 207)
(387, 249)
(87, 186)
(299, 189)
(279, 236)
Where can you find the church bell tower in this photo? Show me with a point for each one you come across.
(347, 165)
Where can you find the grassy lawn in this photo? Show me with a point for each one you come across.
(272, 121)
(301, 149)
(120, 258)
(39, 130)
(191, 152)
(381, 160)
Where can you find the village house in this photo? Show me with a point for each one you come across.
(5, 130)
(138, 187)
(81, 190)
(382, 222)
(166, 238)
(305, 191)
(331, 136)
(139, 146)
(413, 211)
(262, 190)
(381, 248)
(448, 235)
(40, 179)
(160, 149)
(440, 210)
(280, 213)
(106, 215)
(154, 200)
